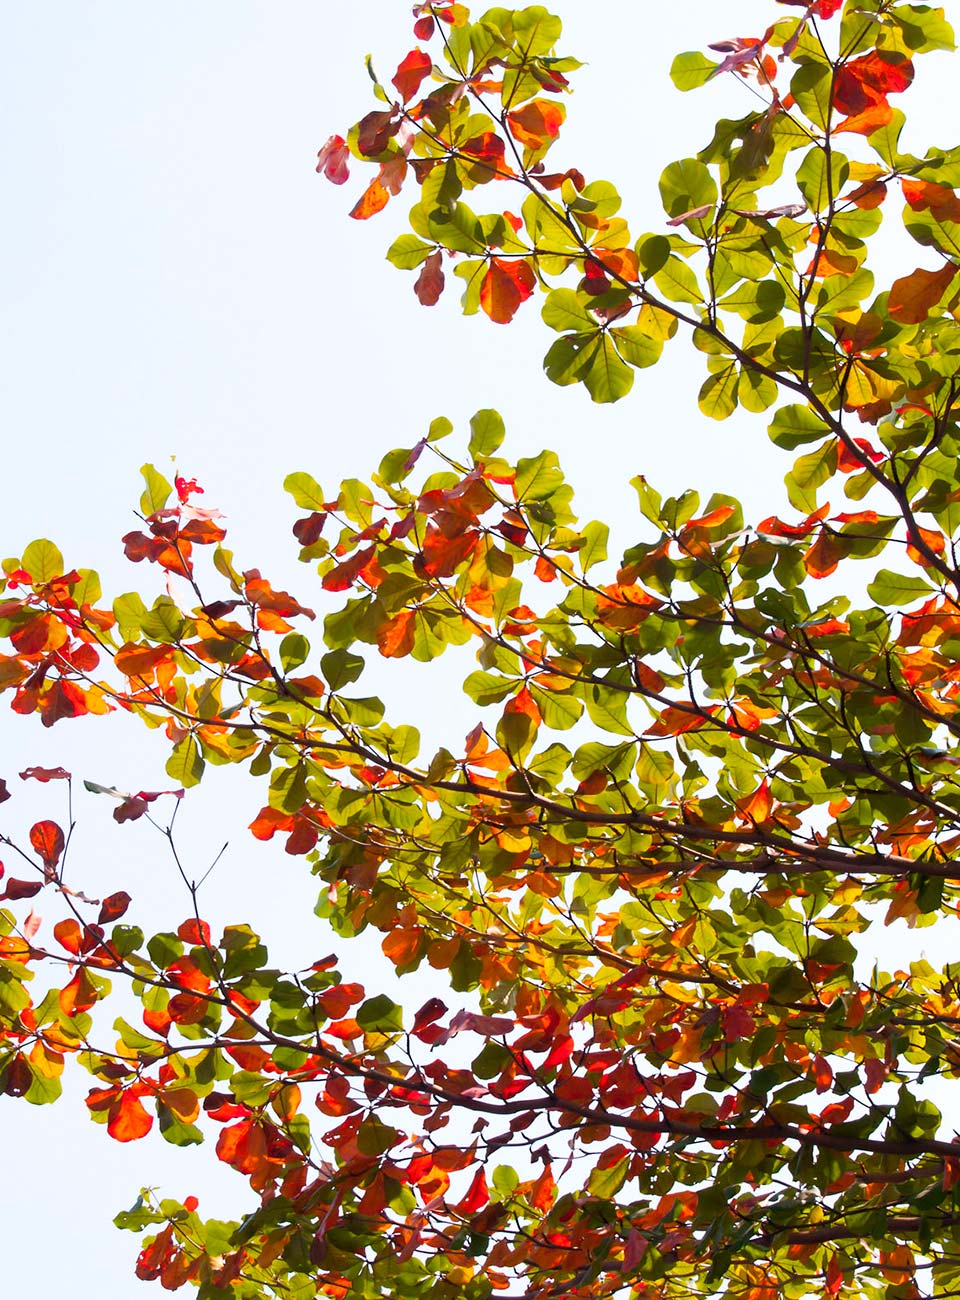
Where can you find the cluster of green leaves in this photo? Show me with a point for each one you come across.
(695, 782)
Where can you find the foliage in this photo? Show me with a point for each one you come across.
(682, 1079)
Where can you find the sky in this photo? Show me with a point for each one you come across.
(175, 280)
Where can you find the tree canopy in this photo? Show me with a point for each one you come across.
(658, 1064)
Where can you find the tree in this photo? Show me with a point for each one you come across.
(681, 1079)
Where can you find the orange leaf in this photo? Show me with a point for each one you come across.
(927, 196)
(870, 120)
(69, 935)
(402, 946)
(47, 840)
(935, 542)
(505, 286)
(823, 556)
(913, 296)
(140, 660)
(543, 1192)
(758, 806)
(537, 123)
(822, 1073)
(395, 637)
(128, 1120)
(373, 199)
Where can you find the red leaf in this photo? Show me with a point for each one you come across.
(869, 80)
(45, 774)
(477, 1196)
(489, 151)
(47, 840)
(823, 556)
(411, 74)
(375, 131)
(505, 286)
(308, 530)
(19, 1077)
(194, 932)
(822, 1073)
(130, 810)
(430, 281)
(151, 1260)
(17, 889)
(423, 28)
(332, 160)
(834, 1275)
(112, 908)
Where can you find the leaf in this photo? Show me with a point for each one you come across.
(380, 1015)
(504, 287)
(692, 70)
(889, 588)
(373, 200)
(793, 426)
(47, 841)
(332, 160)
(112, 908)
(129, 1121)
(45, 774)
(430, 281)
(411, 74)
(537, 124)
(42, 561)
(156, 493)
(913, 296)
(487, 432)
(305, 490)
(185, 765)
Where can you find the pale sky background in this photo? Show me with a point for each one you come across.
(177, 280)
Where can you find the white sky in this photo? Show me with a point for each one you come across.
(177, 280)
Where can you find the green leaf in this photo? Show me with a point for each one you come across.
(305, 490)
(565, 310)
(486, 434)
(809, 473)
(409, 252)
(685, 185)
(294, 649)
(594, 549)
(538, 477)
(792, 426)
(606, 377)
(636, 347)
(185, 765)
(43, 561)
(340, 667)
(157, 491)
(380, 1015)
(889, 588)
(718, 396)
(441, 427)
(692, 70)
